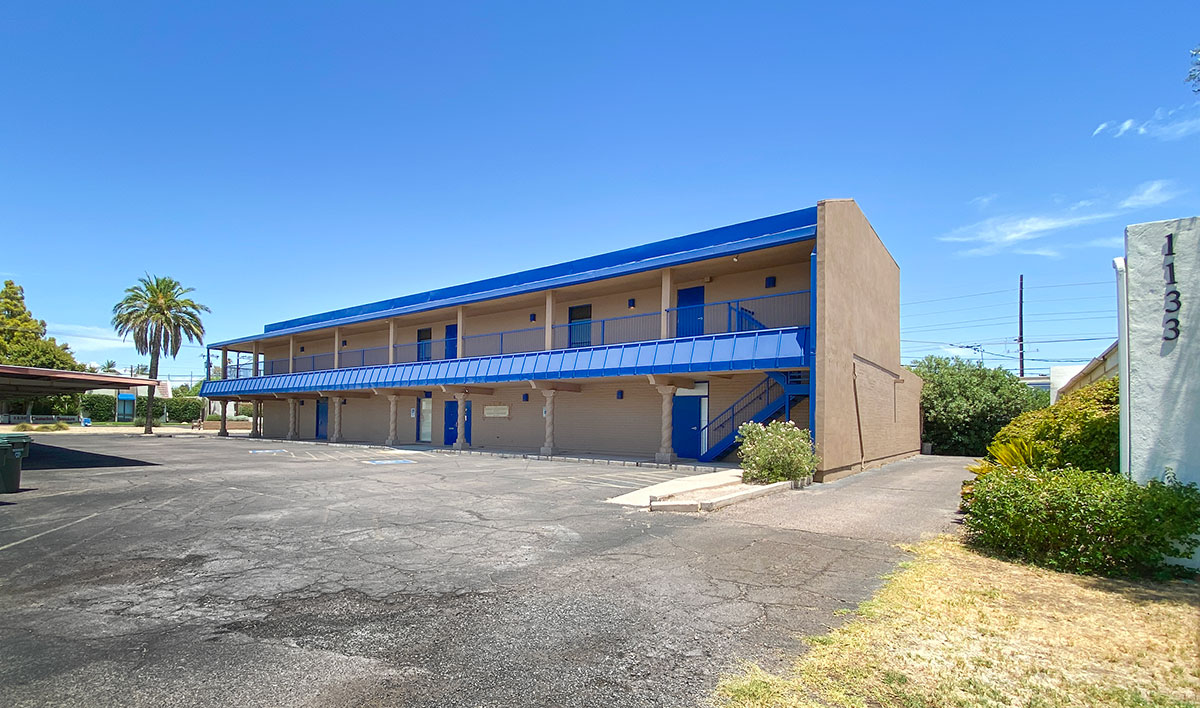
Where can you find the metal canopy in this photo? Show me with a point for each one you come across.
(736, 351)
(30, 382)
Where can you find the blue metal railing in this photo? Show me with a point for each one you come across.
(373, 356)
(742, 315)
(531, 339)
(613, 330)
(745, 408)
(428, 350)
(789, 309)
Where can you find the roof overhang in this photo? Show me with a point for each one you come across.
(30, 381)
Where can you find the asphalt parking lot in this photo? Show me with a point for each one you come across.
(206, 572)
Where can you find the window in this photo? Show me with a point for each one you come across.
(424, 348)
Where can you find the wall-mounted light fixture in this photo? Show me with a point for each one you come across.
(632, 303)
(524, 396)
(620, 394)
(533, 317)
(343, 342)
(735, 259)
(301, 348)
(770, 281)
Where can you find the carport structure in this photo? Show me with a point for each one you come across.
(23, 382)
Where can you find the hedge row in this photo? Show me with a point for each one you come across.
(102, 408)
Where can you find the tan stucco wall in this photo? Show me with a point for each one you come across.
(858, 333)
(1098, 369)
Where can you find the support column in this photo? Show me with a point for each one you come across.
(666, 448)
(549, 320)
(335, 419)
(337, 347)
(224, 431)
(293, 432)
(458, 342)
(256, 406)
(393, 420)
(291, 353)
(664, 323)
(548, 446)
(461, 442)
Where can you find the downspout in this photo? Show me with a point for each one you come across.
(1123, 413)
(812, 346)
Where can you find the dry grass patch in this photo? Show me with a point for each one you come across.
(956, 629)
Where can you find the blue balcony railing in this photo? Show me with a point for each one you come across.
(531, 339)
(789, 309)
(613, 330)
(743, 315)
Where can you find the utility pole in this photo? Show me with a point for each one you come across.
(1021, 324)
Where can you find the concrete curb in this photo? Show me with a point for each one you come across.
(744, 495)
(646, 464)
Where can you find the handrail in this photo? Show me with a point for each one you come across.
(728, 417)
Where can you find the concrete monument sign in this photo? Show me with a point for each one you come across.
(1161, 341)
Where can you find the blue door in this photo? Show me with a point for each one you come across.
(685, 436)
(689, 315)
(579, 326)
(452, 341)
(450, 433)
(322, 418)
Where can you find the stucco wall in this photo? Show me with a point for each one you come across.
(858, 342)
(1164, 376)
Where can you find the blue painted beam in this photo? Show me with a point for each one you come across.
(733, 351)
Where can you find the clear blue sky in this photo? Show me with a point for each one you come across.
(289, 158)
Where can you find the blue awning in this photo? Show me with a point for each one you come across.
(126, 397)
(762, 349)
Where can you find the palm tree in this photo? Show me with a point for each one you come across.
(159, 317)
(109, 367)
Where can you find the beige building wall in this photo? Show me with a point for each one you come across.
(1098, 369)
(860, 423)
(275, 419)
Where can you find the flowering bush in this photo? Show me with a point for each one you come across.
(775, 452)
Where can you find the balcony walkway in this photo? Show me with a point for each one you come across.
(761, 349)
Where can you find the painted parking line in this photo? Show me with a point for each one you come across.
(267, 452)
(389, 462)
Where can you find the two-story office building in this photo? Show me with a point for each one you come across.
(661, 350)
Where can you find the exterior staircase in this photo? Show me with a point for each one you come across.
(760, 404)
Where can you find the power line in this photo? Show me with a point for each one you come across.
(1006, 290)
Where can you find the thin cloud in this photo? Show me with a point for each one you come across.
(1008, 233)
(1166, 124)
(983, 200)
(1150, 194)
(87, 338)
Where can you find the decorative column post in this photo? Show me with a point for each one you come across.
(224, 431)
(293, 432)
(548, 446)
(393, 420)
(461, 442)
(391, 341)
(666, 451)
(335, 409)
(337, 347)
(459, 334)
(256, 406)
(291, 353)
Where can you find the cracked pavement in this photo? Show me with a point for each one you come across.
(197, 572)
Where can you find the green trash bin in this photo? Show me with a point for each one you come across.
(10, 469)
(19, 441)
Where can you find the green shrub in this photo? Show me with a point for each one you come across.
(100, 407)
(184, 410)
(160, 407)
(245, 409)
(213, 416)
(964, 403)
(23, 427)
(1083, 521)
(775, 452)
(1080, 430)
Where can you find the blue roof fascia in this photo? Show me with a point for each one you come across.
(761, 349)
(762, 233)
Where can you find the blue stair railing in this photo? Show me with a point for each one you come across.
(760, 403)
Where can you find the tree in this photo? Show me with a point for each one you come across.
(965, 403)
(1193, 76)
(159, 317)
(109, 367)
(23, 340)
